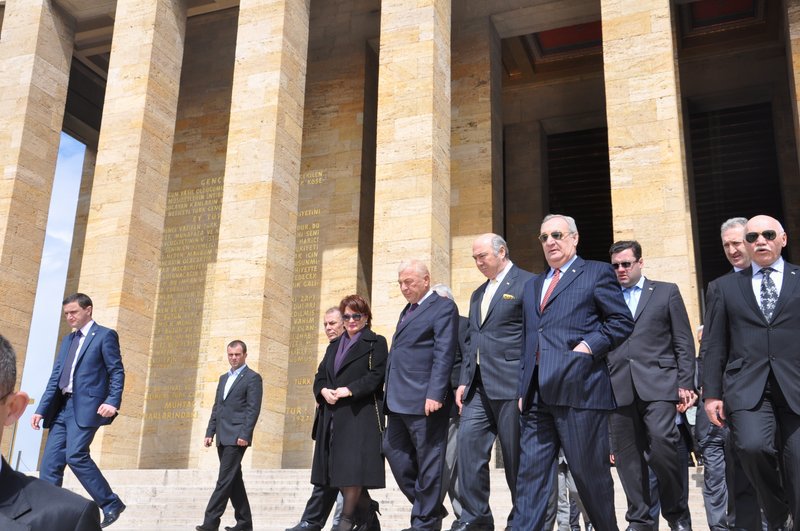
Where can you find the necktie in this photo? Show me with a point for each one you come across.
(628, 294)
(66, 369)
(550, 288)
(410, 309)
(487, 298)
(769, 293)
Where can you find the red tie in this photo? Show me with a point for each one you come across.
(550, 288)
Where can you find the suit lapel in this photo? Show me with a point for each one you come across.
(502, 289)
(409, 317)
(567, 277)
(538, 283)
(359, 349)
(13, 502)
(86, 342)
(790, 281)
(235, 383)
(745, 281)
(644, 298)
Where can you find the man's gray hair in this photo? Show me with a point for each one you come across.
(570, 221)
(8, 367)
(444, 291)
(332, 309)
(497, 243)
(732, 224)
(417, 265)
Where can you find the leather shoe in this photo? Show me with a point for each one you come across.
(471, 526)
(202, 527)
(305, 526)
(112, 515)
(787, 526)
(238, 528)
(681, 525)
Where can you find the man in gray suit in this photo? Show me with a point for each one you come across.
(488, 403)
(233, 420)
(651, 372)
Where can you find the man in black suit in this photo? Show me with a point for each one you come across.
(418, 394)
(25, 502)
(729, 499)
(84, 392)
(573, 315)
(233, 418)
(651, 372)
(323, 497)
(751, 377)
(488, 403)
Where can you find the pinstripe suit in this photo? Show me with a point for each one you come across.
(565, 396)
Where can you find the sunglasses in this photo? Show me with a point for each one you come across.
(556, 235)
(768, 235)
(623, 265)
(352, 316)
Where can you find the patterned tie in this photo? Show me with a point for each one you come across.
(769, 293)
(66, 370)
(550, 288)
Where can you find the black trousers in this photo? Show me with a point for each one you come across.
(320, 505)
(229, 487)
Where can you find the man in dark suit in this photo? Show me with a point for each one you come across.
(489, 407)
(573, 315)
(651, 372)
(237, 405)
(418, 394)
(752, 369)
(25, 502)
(729, 498)
(323, 497)
(84, 392)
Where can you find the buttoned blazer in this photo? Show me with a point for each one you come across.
(659, 356)
(98, 379)
(421, 356)
(586, 305)
(31, 504)
(234, 417)
(741, 346)
(498, 337)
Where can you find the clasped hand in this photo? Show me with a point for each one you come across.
(332, 396)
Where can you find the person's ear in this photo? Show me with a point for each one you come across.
(16, 404)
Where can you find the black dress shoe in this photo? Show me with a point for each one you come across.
(305, 526)
(202, 527)
(112, 515)
(681, 525)
(471, 526)
(237, 527)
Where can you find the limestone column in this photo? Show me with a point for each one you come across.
(649, 190)
(476, 148)
(412, 181)
(128, 199)
(251, 296)
(35, 57)
(791, 188)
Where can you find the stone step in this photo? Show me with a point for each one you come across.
(172, 500)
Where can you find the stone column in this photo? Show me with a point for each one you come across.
(128, 200)
(251, 295)
(35, 58)
(649, 190)
(476, 148)
(791, 188)
(412, 181)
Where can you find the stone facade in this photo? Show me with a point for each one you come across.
(259, 160)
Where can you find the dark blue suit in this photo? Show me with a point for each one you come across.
(567, 394)
(98, 379)
(419, 367)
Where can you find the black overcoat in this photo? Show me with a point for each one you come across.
(348, 449)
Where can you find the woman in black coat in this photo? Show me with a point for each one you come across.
(349, 389)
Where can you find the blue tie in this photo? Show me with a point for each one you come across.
(66, 370)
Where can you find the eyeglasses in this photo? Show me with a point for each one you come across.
(352, 316)
(556, 235)
(623, 265)
(768, 235)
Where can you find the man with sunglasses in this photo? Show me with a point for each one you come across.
(573, 316)
(27, 502)
(651, 372)
(751, 375)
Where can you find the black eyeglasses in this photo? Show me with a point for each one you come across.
(623, 265)
(768, 235)
(556, 235)
(352, 316)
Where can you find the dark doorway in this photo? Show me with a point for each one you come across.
(735, 168)
(580, 186)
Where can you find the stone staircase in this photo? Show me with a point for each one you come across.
(175, 499)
